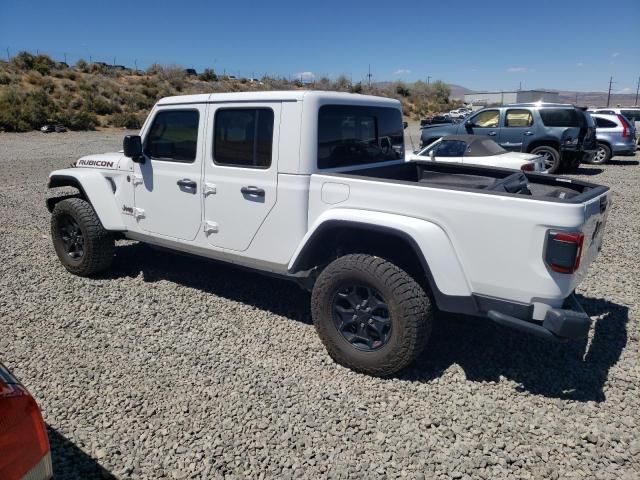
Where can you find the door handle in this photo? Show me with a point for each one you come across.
(186, 183)
(528, 134)
(493, 134)
(253, 191)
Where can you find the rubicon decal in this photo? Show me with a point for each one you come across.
(95, 163)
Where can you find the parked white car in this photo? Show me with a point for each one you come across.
(313, 187)
(476, 150)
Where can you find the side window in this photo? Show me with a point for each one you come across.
(451, 148)
(487, 119)
(243, 137)
(604, 123)
(518, 118)
(173, 136)
(562, 117)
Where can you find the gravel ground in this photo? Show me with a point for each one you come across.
(170, 367)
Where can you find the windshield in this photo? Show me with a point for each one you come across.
(354, 135)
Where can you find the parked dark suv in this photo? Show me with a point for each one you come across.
(563, 134)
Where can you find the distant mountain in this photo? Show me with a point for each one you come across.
(597, 99)
(458, 92)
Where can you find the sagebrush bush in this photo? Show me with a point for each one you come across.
(126, 120)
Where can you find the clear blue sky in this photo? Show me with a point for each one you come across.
(563, 44)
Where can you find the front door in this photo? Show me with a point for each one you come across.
(486, 122)
(518, 125)
(241, 171)
(168, 184)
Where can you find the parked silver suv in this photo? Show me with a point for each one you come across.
(615, 135)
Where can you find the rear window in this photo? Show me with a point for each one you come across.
(353, 135)
(561, 117)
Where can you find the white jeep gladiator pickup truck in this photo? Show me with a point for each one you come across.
(313, 186)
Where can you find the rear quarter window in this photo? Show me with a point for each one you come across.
(561, 117)
(356, 135)
(604, 123)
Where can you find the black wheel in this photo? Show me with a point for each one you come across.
(82, 244)
(602, 155)
(551, 158)
(371, 315)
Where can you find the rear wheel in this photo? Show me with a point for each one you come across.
(551, 157)
(602, 155)
(82, 244)
(371, 315)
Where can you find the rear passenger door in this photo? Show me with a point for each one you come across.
(517, 129)
(241, 171)
(485, 122)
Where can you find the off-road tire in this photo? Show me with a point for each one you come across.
(98, 242)
(553, 154)
(603, 155)
(409, 310)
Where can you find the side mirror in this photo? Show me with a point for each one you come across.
(132, 146)
(469, 124)
(405, 124)
(432, 154)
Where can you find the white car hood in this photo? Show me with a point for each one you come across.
(109, 161)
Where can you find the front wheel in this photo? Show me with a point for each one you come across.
(551, 158)
(82, 244)
(371, 316)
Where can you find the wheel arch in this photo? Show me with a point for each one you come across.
(606, 143)
(92, 187)
(400, 243)
(545, 142)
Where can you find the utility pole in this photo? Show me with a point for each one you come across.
(65, 57)
(369, 76)
(429, 80)
(576, 98)
(609, 94)
(8, 55)
(114, 61)
(637, 91)
(135, 62)
(520, 87)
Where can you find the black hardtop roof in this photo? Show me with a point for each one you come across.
(477, 146)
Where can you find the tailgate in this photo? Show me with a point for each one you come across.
(595, 212)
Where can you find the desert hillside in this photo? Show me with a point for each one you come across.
(34, 90)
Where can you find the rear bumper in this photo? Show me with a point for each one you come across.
(625, 150)
(560, 324)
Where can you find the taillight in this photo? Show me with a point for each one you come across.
(625, 127)
(564, 251)
(528, 167)
(24, 445)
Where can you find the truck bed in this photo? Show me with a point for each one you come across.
(486, 179)
(495, 220)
